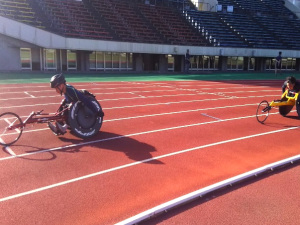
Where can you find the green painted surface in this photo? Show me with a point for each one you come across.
(27, 77)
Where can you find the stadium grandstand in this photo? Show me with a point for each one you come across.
(148, 35)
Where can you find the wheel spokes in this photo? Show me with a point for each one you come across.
(11, 128)
(262, 111)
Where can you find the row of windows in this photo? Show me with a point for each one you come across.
(110, 61)
(97, 60)
(287, 64)
(104, 61)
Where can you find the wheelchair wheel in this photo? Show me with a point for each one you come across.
(83, 122)
(285, 109)
(11, 128)
(298, 107)
(262, 111)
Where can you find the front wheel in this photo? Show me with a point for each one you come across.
(11, 128)
(262, 111)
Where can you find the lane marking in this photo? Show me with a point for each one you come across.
(161, 114)
(198, 91)
(204, 191)
(150, 84)
(9, 123)
(124, 136)
(29, 94)
(178, 112)
(102, 93)
(21, 106)
(7, 148)
(139, 162)
(116, 99)
(204, 114)
(142, 96)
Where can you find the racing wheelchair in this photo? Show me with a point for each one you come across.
(82, 121)
(285, 105)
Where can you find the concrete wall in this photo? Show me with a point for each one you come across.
(294, 6)
(10, 53)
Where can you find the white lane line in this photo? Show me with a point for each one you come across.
(24, 106)
(127, 135)
(262, 96)
(139, 162)
(142, 96)
(102, 93)
(80, 85)
(104, 85)
(150, 115)
(204, 114)
(110, 99)
(198, 92)
(178, 112)
(9, 123)
(203, 191)
(29, 94)
(8, 149)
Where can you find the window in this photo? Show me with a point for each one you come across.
(129, 60)
(50, 59)
(92, 61)
(240, 63)
(204, 62)
(110, 60)
(235, 63)
(194, 62)
(290, 63)
(72, 60)
(100, 61)
(26, 62)
(115, 60)
(123, 61)
(170, 63)
(251, 63)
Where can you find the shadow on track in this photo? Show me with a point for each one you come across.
(132, 148)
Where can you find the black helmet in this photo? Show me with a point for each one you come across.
(57, 80)
(291, 79)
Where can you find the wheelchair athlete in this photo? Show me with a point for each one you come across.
(291, 84)
(71, 95)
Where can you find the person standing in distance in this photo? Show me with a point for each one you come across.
(278, 63)
(187, 61)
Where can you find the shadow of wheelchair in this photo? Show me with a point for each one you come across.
(132, 148)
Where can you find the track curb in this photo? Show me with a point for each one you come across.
(207, 190)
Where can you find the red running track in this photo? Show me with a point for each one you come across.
(159, 141)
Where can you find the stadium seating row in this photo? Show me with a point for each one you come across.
(259, 24)
(21, 11)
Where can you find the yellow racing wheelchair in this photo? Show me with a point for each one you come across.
(285, 104)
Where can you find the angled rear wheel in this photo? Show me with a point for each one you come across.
(262, 111)
(11, 128)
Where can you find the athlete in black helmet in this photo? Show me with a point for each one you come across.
(71, 95)
(56, 80)
(291, 84)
